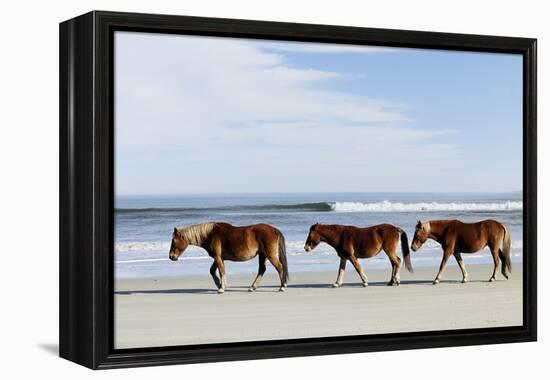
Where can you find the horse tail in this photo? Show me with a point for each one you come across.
(406, 252)
(282, 255)
(506, 245)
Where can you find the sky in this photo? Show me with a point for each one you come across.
(223, 115)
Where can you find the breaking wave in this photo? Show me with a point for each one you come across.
(387, 206)
(383, 206)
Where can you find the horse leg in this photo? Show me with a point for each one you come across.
(279, 267)
(224, 278)
(446, 255)
(460, 262)
(496, 261)
(341, 271)
(395, 264)
(213, 270)
(359, 270)
(221, 269)
(261, 271)
(390, 245)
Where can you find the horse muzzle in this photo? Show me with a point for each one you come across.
(173, 257)
(307, 248)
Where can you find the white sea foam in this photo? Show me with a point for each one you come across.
(133, 261)
(141, 260)
(387, 206)
(142, 246)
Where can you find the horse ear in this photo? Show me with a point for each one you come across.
(176, 232)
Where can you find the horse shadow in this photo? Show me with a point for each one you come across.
(169, 291)
(359, 285)
(244, 289)
(233, 289)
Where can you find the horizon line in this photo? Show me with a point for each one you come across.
(318, 192)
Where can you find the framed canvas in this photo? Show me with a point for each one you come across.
(235, 189)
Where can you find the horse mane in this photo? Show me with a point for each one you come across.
(195, 234)
(329, 231)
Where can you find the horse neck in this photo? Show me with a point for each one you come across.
(200, 239)
(437, 229)
(196, 243)
(330, 234)
(204, 241)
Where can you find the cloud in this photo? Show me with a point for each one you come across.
(229, 103)
(173, 85)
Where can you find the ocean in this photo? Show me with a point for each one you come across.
(144, 224)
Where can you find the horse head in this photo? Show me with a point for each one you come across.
(421, 233)
(313, 239)
(179, 244)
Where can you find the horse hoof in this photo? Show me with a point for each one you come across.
(505, 276)
(365, 284)
(492, 279)
(435, 282)
(220, 291)
(336, 285)
(282, 289)
(465, 280)
(251, 289)
(390, 283)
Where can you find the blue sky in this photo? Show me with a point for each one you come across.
(213, 115)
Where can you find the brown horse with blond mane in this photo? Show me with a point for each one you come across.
(457, 237)
(223, 242)
(353, 243)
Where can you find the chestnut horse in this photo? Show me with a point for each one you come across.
(223, 242)
(457, 237)
(353, 243)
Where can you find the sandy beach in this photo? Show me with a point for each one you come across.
(188, 310)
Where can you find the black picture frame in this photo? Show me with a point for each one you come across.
(87, 194)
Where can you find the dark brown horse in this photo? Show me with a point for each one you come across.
(456, 237)
(223, 242)
(353, 243)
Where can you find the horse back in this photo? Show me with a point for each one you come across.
(388, 231)
(243, 239)
(472, 237)
(368, 241)
(478, 228)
